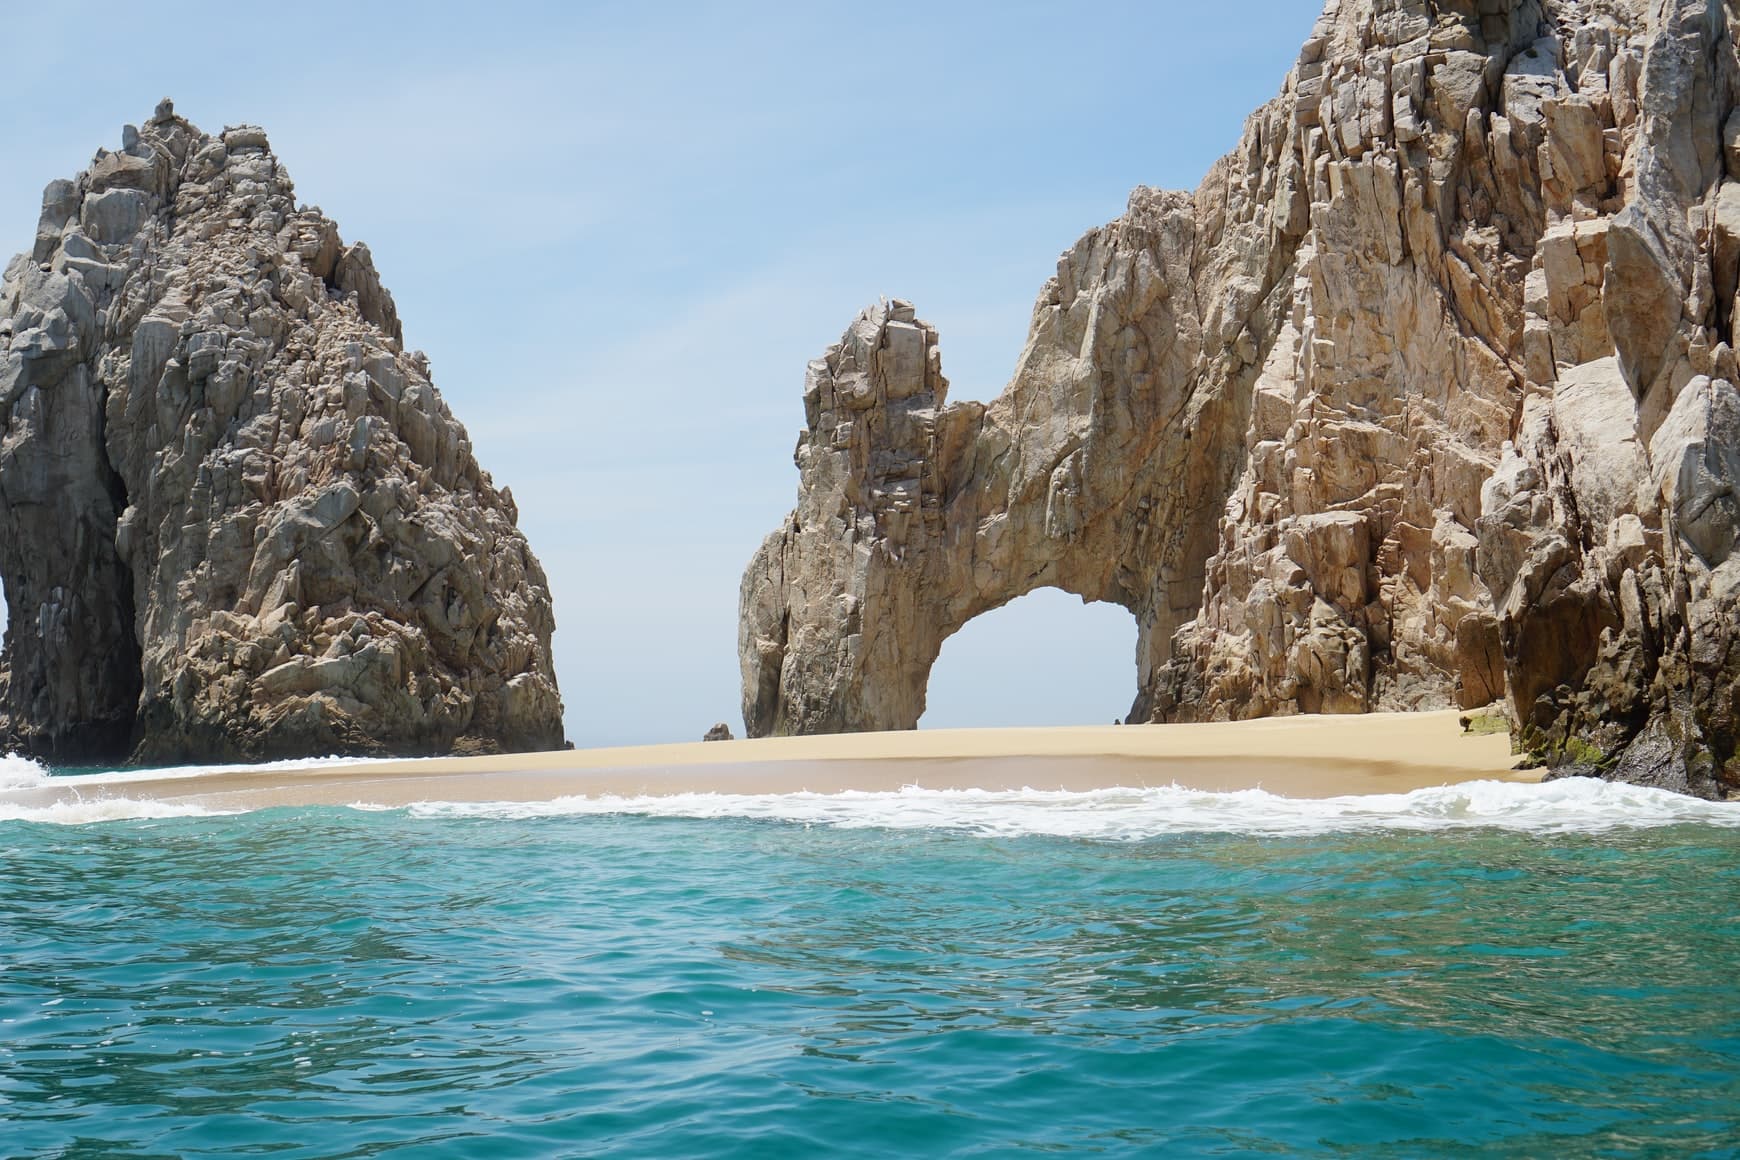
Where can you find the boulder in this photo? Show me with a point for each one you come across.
(1642, 296)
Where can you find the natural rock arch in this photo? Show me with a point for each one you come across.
(928, 514)
(1425, 397)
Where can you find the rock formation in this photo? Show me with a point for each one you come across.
(236, 519)
(1424, 398)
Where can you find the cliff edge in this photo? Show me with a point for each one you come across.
(236, 519)
(1424, 398)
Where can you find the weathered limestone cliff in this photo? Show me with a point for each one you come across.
(1424, 398)
(236, 519)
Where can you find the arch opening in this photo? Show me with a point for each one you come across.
(1044, 658)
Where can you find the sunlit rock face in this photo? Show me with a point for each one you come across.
(1424, 399)
(236, 519)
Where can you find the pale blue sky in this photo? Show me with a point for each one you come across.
(620, 231)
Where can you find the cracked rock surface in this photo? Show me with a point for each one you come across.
(1425, 398)
(237, 521)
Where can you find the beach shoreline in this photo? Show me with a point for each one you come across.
(1299, 756)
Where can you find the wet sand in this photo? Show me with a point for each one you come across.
(1305, 757)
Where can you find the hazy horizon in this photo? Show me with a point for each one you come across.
(619, 233)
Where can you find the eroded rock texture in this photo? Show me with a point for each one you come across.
(1423, 399)
(236, 519)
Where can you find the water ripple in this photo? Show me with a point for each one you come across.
(334, 983)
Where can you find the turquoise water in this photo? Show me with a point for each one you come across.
(477, 983)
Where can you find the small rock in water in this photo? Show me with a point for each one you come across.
(719, 732)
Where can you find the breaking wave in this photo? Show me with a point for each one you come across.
(81, 811)
(93, 797)
(20, 772)
(1571, 805)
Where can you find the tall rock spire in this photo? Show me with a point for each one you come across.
(236, 518)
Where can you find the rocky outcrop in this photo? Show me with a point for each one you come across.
(236, 519)
(1422, 399)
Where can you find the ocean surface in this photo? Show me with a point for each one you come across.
(1498, 970)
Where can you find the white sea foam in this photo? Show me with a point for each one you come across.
(116, 777)
(94, 796)
(80, 811)
(20, 772)
(1572, 805)
(92, 799)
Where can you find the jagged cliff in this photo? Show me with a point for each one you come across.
(236, 519)
(1424, 398)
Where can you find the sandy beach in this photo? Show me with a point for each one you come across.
(1305, 757)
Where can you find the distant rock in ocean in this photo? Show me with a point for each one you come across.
(236, 519)
(1425, 398)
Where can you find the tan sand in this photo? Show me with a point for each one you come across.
(1291, 756)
